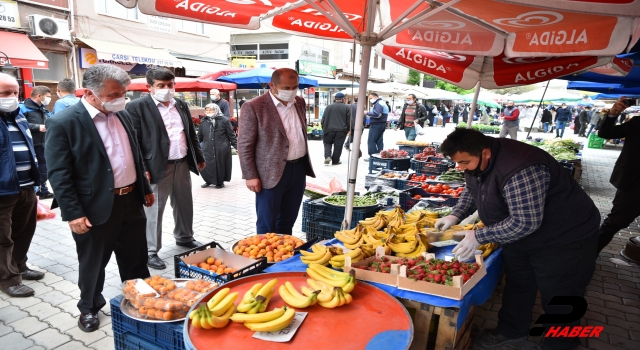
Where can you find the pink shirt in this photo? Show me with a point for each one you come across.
(293, 128)
(175, 129)
(116, 143)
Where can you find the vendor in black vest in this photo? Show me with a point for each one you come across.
(547, 226)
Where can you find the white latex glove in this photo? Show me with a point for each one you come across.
(467, 247)
(446, 222)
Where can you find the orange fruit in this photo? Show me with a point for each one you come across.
(220, 271)
(228, 270)
(204, 265)
(218, 262)
(210, 260)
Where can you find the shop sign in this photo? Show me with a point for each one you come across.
(243, 62)
(89, 57)
(9, 17)
(317, 69)
(159, 24)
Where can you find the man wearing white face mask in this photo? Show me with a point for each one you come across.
(170, 147)
(34, 109)
(96, 171)
(273, 151)
(221, 102)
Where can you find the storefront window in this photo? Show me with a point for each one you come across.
(262, 51)
(112, 8)
(57, 68)
(192, 27)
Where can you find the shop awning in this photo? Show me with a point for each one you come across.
(326, 82)
(110, 51)
(21, 51)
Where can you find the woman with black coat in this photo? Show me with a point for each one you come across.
(546, 119)
(217, 137)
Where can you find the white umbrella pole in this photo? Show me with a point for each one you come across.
(472, 110)
(357, 136)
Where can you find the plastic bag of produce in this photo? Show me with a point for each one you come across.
(44, 212)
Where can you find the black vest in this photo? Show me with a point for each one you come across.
(569, 213)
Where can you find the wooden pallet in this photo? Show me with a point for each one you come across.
(433, 321)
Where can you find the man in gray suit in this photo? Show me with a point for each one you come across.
(170, 148)
(274, 155)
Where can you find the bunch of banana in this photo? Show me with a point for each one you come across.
(378, 222)
(272, 325)
(329, 296)
(408, 229)
(487, 248)
(351, 238)
(293, 298)
(257, 298)
(338, 298)
(320, 255)
(397, 246)
(337, 261)
(421, 247)
(395, 217)
(414, 216)
(368, 250)
(203, 318)
(221, 302)
(347, 281)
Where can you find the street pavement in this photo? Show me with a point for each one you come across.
(49, 319)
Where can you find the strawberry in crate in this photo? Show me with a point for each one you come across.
(393, 153)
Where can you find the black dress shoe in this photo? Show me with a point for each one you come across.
(155, 262)
(220, 186)
(192, 244)
(18, 291)
(32, 275)
(205, 185)
(45, 195)
(89, 322)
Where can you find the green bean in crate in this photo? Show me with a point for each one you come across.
(452, 175)
(358, 201)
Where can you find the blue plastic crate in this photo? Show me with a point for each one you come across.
(159, 335)
(419, 168)
(319, 211)
(391, 164)
(322, 229)
(412, 150)
(407, 201)
(375, 179)
(130, 341)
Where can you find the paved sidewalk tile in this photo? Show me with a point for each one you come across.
(71, 307)
(4, 303)
(85, 337)
(28, 326)
(11, 313)
(50, 338)
(40, 288)
(4, 329)
(15, 341)
(54, 297)
(62, 321)
(23, 303)
(103, 344)
(64, 286)
(74, 345)
(42, 310)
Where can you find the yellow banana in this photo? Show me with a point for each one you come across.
(295, 301)
(261, 317)
(264, 305)
(334, 302)
(221, 294)
(404, 248)
(352, 254)
(246, 307)
(219, 322)
(222, 306)
(195, 321)
(250, 295)
(348, 298)
(326, 290)
(264, 291)
(206, 322)
(348, 288)
(279, 323)
(323, 260)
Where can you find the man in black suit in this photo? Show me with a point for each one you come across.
(170, 149)
(96, 171)
(625, 176)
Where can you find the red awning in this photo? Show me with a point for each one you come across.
(21, 51)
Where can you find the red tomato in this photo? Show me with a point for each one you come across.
(433, 177)
(417, 196)
(445, 187)
(437, 190)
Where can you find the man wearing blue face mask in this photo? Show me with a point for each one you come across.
(171, 149)
(96, 171)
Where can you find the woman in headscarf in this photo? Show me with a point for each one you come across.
(217, 137)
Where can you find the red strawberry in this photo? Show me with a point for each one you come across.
(471, 271)
(437, 278)
(465, 277)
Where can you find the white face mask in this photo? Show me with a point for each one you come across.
(215, 98)
(372, 100)
(46, 101)
(411, 102)
(58, 93)
(164, 95)
(8, 104)
(209, 115)
(115, 105)
(286, 95)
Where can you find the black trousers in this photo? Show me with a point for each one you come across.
(17, 226)
(564, 270)
(625, 210)
(123, 234)
(277, 208)
(42, 169)
(333, 139)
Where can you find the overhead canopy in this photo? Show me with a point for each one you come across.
(199, 68)
(110, 51)
(550, 95)
(186, 84)
(613, 96)
(326, 82)
(21, 51)
(258, 78)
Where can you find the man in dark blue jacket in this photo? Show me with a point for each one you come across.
(35, 110)
(563, 117)
(17, 198)
(378, 124)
